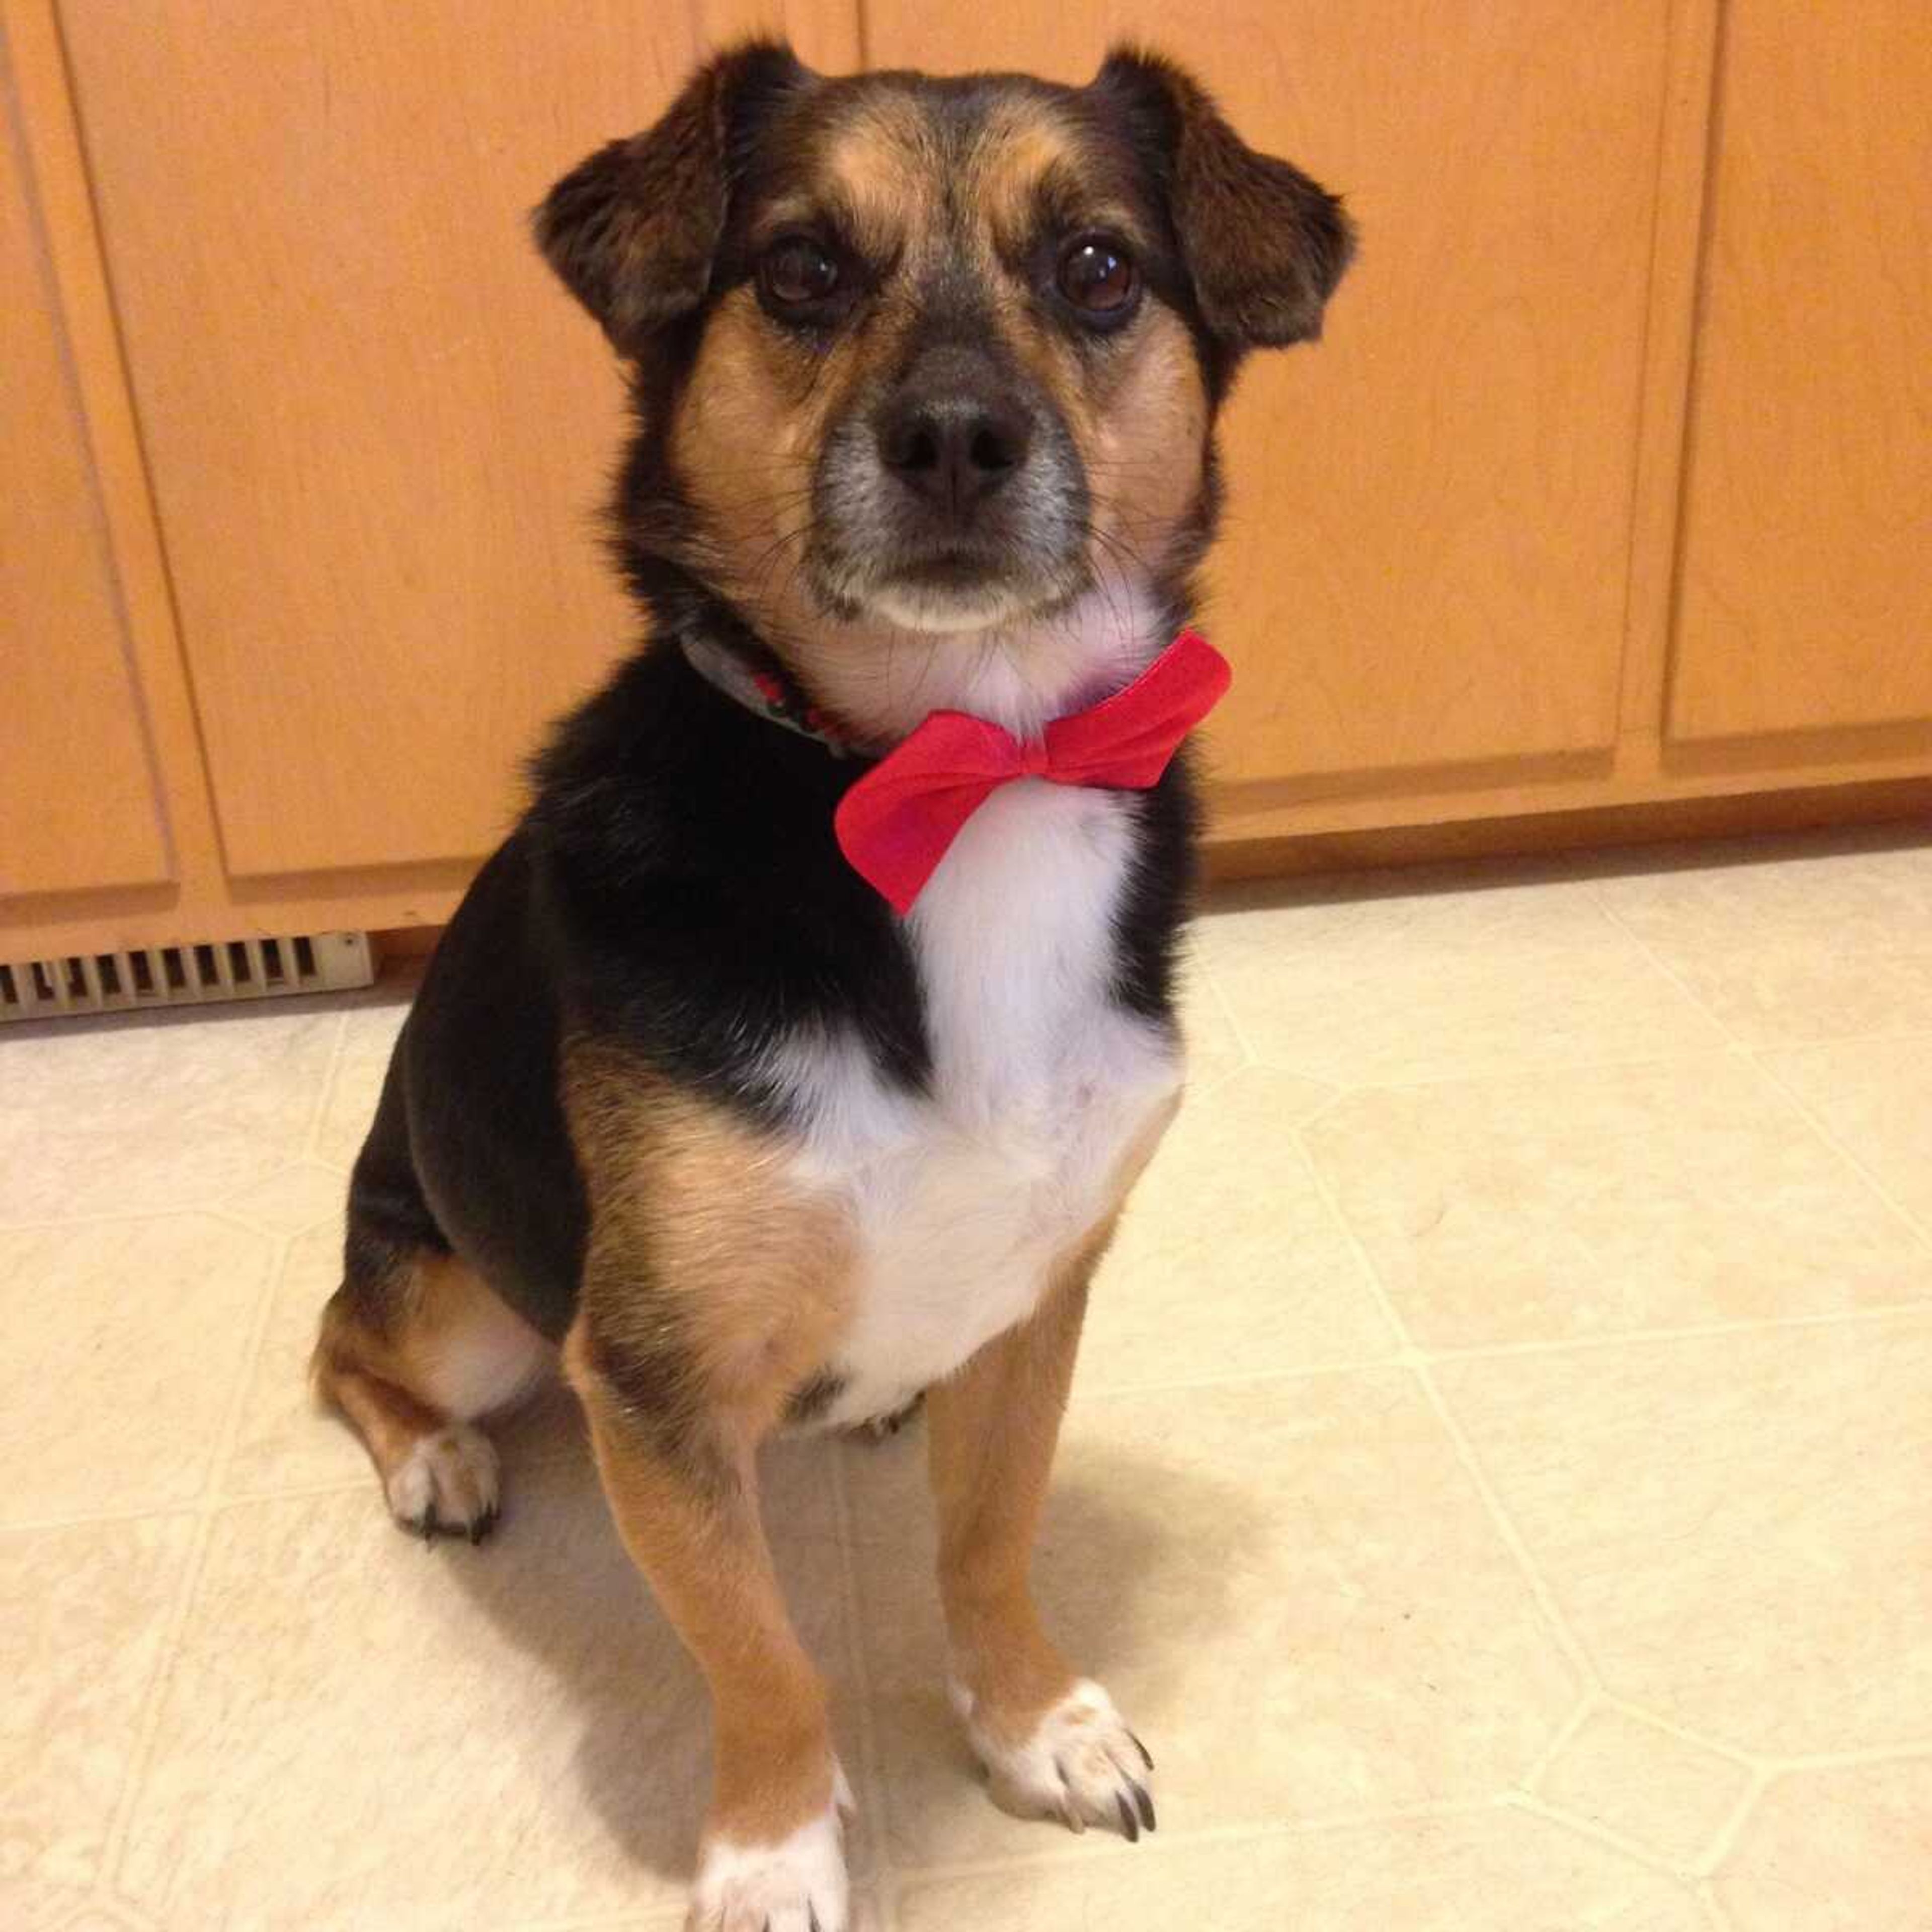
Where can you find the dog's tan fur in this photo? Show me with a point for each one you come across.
(753, 1271)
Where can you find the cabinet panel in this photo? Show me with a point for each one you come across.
(1425, 555)
(1805, 597)
(78, 805)
(377, 431)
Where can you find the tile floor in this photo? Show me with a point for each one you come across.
(1499, 1483)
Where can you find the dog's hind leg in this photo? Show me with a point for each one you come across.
(412, 1358)
(414, 1347)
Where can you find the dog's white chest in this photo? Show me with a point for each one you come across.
(964, 1200)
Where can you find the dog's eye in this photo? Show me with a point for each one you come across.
(1097, 275)
(797, 273)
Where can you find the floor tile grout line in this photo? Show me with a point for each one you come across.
(209, 1211)
(1603, 1834)
(1589, 1676)
(1919, 1750)
(1729, 1047)
(1642, 1715)
(1671, 973)
(1402, 1354)
(1538, 1070)
(1227, 1010)
(325, 1088)
(1559, 1741)
(177, 1211)
(216, 1482)
(1540, 1591)
(1403, 1351)
(108, 1873)
(1724, 1841)
(47, 1525)
(1104, 1849)
(1903, 1214)
(1712, 1907)
(872, 1795)
(1476, 1352)
(1112, 1391)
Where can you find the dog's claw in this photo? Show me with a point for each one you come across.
(1069, 1811)
(429, 1525)
(1130, 1829)
(1144, 1803)
(1146, 1756)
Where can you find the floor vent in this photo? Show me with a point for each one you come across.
(185, 976)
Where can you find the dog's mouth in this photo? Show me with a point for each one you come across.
(954, 588)
(955, 567)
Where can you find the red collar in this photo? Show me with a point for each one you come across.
(757, 679)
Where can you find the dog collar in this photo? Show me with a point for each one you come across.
(754, 678)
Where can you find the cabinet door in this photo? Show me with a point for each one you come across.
(1805, 578)
(79, 806)
(1425, 553)
(378, 431)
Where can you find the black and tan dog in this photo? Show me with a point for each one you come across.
(926, 374)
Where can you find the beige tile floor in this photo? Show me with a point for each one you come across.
(1499, 1483)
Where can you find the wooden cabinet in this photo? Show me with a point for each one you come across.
(1807, 581)
(1605, 488)
(79, 803)
(375, 437)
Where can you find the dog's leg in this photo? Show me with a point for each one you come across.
(686, 1505)
(1051, 1741)
(413, 1348)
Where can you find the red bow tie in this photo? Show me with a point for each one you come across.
(896, 823)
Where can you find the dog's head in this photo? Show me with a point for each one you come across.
(920, 357)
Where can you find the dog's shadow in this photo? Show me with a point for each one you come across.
(555, 1582)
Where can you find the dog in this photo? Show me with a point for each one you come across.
(732, 1083)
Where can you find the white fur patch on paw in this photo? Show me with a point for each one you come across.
(797, 1885)
(447, 1485)
(1081, 1764)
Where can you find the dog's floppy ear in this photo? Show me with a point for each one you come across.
(632, 229)
(1265, 245)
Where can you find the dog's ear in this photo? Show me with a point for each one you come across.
(1265, 245)
(633, 230)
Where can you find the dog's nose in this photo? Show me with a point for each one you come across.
(952, 449)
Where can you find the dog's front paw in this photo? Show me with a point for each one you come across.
(1079, 1763)
(795, 1884)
